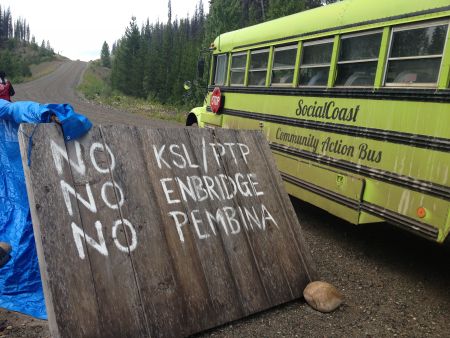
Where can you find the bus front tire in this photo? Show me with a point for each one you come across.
(192, 121)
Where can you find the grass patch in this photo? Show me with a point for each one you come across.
(144, 107)
(96, 87)
(95, 82)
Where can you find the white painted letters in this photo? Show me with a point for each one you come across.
(167, 191)
(119, 193)
(230, 220)
(100, 146)
(159, 158)
(178, 223)
(79, 235)
(59, 153)
(67, 189)
(132, 246)
(180, 192)
(113, 200)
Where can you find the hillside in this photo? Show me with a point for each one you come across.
(18, 47)
(17, 58)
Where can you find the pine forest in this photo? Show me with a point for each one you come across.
(153, 60)
(18, 48)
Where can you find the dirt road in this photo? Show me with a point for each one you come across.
(395, 284)
(58, 87)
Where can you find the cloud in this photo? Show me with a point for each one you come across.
(77, 29)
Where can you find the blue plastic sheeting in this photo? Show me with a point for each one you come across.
(20, 281)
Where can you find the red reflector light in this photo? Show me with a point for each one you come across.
(421, 212)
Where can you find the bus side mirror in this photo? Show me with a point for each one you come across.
(200, 67)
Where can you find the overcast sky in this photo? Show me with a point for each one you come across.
(77, 29)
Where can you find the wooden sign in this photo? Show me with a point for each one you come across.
(160, 232)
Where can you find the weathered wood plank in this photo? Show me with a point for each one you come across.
(221, 286)
(267, 217)
(197, 309)
(182, 229)
(69, 291)
(306, 268)
(238, 254)
(153, 264)
(283, 247)
(119, 304)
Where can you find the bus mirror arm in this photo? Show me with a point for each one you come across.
(200, 67)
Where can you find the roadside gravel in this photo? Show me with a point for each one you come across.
(395, 284)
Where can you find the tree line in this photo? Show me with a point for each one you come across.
(153, 60)
(18, 48)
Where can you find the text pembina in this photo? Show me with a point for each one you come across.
(227, 220)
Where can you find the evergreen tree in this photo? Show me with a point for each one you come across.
(127, 69)
(15, 34)
(113, 48)
(279, 8)
(309, 4)
(105, 57)
(154, 61)
(224, 16)
(169, 12)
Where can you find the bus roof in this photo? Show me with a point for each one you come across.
(337, 16)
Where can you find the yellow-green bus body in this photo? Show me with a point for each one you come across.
(354, 100)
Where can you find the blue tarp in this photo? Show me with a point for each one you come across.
(20, 281)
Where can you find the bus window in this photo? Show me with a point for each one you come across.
(416, 54)
(284, 64)
(358, 58)
(238, 63)
(221, 70)
(258, 67)
(315, 66)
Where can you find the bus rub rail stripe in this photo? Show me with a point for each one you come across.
(418, 141)
(394, 94)
(402, 221)
(409, 224)
(350, 203)
(399, 220)
(391, 178)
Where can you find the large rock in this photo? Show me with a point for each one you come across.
(323, 296)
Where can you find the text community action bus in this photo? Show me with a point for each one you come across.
(354, 100)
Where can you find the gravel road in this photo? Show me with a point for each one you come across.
(395, 284)
(58, 87)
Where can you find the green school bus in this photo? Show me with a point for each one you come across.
(354, 99)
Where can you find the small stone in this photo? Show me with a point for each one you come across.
(9, 327)
(322, 296)
(6, 247)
